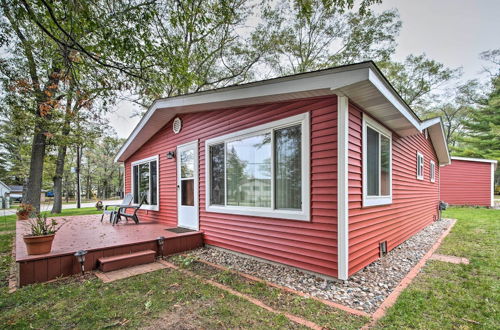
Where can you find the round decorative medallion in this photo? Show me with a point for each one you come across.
(177, 125)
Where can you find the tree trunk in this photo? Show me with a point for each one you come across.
(61, 153)
(58, 178)
(78, 188)
(34, 186)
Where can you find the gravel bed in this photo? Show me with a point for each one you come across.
(365, 290)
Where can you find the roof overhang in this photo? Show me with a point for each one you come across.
(362, 83)
(435, 129)
(480, 160)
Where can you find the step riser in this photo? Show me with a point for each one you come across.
(106, 265)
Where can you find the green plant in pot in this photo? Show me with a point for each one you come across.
(24, 211)
(41, 234)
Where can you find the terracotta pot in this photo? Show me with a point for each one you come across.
(39, 244)
(23, 216)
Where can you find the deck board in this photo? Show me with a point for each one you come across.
(100, 240)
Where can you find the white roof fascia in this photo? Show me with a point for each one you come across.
(286, 85)
(436, 132)
(332, 80)
(395, 99)
(7, 188)
(480, 160)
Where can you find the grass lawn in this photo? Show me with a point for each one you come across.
(456, 296)
(8, 222)
(443, 296)
(310, 309)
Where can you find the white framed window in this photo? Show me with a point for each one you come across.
(377, 163)
(145, 182)
(261, 171)
(420, 166)
(433, 171)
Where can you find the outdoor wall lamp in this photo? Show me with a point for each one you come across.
(161, 241)
(171, 155)
(80, 256)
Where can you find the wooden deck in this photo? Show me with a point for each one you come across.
(100, 240)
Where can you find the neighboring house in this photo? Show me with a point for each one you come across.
(348, 163)
(16, 194)
(4, 196)
(469, 181)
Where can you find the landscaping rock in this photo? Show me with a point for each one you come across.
(365, 290)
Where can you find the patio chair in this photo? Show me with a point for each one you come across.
(122, 212)
(112, 209)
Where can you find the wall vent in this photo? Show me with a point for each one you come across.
(382, 248)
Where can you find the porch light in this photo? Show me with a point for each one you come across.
(80, 256)
(161, 241)
(171, 155)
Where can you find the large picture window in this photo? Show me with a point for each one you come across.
(377, 163)
(145, 182)
(262, 171)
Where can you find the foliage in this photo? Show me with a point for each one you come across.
(327, 37)
(40, 226)
(25, 209)
(482, 128)
(417, 78)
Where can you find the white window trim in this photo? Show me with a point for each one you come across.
(375, 200)
(142, 161)
(433, 171)
(302, 215)
(420, 155)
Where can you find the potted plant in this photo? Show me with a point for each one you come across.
(99, 205)
(24, 211)
(42, 233)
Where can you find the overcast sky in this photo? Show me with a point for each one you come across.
(452, 32)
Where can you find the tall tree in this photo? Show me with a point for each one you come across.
(482, 128)
(294, 42)
(417, 79)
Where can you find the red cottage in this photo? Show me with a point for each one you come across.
(469, 181)
(319, 170)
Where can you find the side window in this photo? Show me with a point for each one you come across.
(377, 167)
(433, 171)
(420, 166)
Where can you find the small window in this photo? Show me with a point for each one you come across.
(377, 167)
(145, 182)
(261, 171)
(420, 166)
(433, 171)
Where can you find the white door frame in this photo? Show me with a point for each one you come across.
(195, 213)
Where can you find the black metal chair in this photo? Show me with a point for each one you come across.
(122, 212)
(112, 209)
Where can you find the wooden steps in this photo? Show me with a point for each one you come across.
(107, 264)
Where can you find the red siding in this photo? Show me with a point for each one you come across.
(466, 183)
(309, 245)
(414, 205)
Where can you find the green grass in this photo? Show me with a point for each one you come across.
(443, 296)
(163, 297)
(449, 296)
(8, 222)
(310, 309)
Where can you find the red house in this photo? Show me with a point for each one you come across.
(469, 181)
(319, 170)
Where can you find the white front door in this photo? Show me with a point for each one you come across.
(187, 185)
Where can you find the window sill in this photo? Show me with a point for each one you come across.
(421, 178)
(265, 213)
(376, 201)
(148, 207)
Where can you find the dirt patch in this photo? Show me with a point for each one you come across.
(181, 316)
